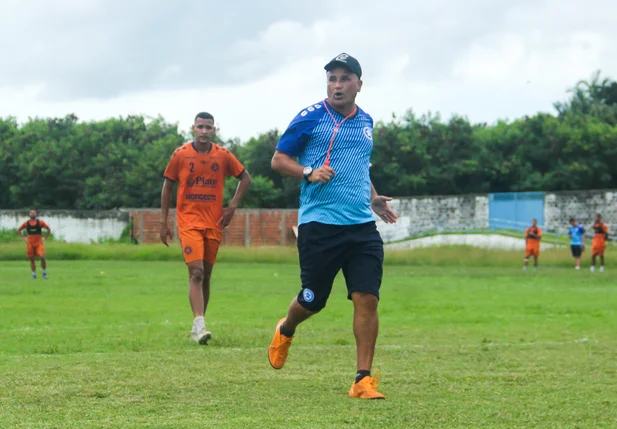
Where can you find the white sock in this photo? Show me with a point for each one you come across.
(601, 268)
(34, 273)
(199, 323)
(592, 268)
(577, 268)
(44, 272)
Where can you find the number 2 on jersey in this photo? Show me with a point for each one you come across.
(192, 166)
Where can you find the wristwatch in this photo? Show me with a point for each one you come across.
(307, 172)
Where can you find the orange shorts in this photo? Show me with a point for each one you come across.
(200, 244)
(34, 250)
(532, 251)
(598, 249)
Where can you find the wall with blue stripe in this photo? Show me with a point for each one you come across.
(514, 210)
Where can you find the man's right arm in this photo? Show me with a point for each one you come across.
(19, 230)
(165, 203)
(288, 166)
(171, 175)
(292, 144)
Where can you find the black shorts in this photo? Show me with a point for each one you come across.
(576, 250)
(326, 249)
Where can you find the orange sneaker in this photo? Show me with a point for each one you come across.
(366, 388)
(279, 347)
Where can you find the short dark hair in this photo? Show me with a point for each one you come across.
(204, 115)
(572, 219)
(599, 215)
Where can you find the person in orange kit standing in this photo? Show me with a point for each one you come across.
(34, 240)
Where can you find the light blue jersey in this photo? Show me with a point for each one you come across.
(346, 198)
(576, 235)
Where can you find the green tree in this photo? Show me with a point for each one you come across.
(64, 163)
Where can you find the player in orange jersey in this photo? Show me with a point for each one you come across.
(200, 167)
(598, 245)
(34, 228)
(533, 235)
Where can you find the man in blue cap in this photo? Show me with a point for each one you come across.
(328, 147)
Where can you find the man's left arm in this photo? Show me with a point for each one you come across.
(228, 212)
(48, 229)
(380, 206)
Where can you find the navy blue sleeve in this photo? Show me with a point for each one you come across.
(297, 134)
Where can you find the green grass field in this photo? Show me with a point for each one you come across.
(104, 344)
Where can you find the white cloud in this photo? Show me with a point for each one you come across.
(254, 68)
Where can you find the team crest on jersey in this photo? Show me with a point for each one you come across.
(368, 133)
(188, 250)
(215, 166)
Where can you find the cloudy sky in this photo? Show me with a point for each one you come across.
(254, 65)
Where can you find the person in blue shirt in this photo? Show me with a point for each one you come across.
(328, 146)
(577, 241)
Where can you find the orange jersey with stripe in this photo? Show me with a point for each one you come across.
(33, 228)
(532, 237)
(201, 180)
(601, 232)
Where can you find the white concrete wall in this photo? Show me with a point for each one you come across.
(417, 215)
(72, 226)
(559, 207)
(471, 212)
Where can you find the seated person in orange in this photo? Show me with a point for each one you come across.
(533, 235)
(200, 167)
(34, 228)
(598, 245)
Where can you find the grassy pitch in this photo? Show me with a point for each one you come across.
(104, 344)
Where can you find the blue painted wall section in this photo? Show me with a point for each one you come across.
(515, 210)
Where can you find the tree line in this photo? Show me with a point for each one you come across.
(62, 163)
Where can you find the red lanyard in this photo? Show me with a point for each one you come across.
(337, 125)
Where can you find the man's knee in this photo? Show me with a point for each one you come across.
(196, 274)
(311, 307)
(364, 300)
(302, 308)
